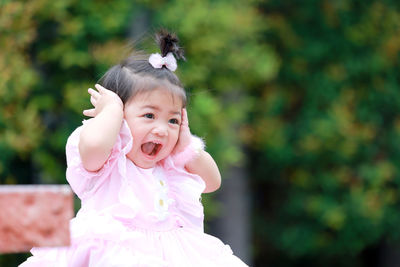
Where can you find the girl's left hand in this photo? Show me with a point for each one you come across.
(185, 137)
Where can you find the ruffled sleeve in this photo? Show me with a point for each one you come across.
(189, 153)
(85, 182)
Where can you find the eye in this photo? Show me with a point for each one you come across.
(174, 121)
(149, 116)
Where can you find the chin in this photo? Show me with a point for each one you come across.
(146, 165)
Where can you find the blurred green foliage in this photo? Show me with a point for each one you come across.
(326, 132)
(308, 89)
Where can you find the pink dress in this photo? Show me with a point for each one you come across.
(135, 217)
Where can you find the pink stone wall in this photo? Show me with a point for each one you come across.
(34, 216)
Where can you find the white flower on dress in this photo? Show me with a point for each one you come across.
(162, 185)
(161, 204)
(161, 199)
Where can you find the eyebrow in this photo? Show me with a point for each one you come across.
(158, 109)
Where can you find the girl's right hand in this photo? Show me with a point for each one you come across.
(102, 99)
(95, 148)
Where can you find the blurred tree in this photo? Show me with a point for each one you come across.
(325, 134)
(51, 52)
(19, 115)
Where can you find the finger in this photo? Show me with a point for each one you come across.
(94, 93)
(103, 90)
(185, 121)
(93, 100)
(100, 88)
(89, 112)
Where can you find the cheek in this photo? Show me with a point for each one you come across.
(137, 134)
(175, 136)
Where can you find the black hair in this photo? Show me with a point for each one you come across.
(135, 74)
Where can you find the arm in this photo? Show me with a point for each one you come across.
(99, 135)
(201, 164)
(205, 166)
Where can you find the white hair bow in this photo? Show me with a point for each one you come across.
(157, 61)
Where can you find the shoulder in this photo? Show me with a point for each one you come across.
(85, 182)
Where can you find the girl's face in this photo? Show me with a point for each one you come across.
(154, 119)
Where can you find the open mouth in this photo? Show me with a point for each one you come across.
(151, 148)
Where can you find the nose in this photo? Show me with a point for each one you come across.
(160, 130)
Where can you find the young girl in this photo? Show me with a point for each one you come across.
(139, 174)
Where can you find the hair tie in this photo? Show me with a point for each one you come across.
(169, 61)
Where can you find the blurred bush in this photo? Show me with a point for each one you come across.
(325, 133)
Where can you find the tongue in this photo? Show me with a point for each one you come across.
(148, 148)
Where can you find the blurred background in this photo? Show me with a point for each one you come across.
(298, 102)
